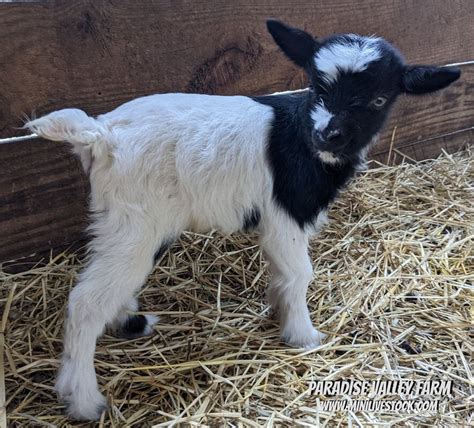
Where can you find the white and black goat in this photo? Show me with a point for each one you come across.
(162, 164)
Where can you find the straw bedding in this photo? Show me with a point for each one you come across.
(392, 288)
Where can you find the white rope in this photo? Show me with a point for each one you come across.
(16, 139)
(458, 64)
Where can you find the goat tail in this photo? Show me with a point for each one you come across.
(87, 135)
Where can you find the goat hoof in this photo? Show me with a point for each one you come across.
(138, 326)
(88, 407)
(77, 388)
(309, 341)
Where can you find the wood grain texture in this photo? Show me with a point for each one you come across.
(418, 118)
(95, 55)
(426, 149)
(43, 197)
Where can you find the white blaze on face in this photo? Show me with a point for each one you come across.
(321, 117)
(328, 157)
(351, 56)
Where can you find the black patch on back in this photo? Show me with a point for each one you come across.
(302, 184)
(251, 219)
(134, 326)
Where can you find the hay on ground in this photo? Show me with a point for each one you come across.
(392, 288)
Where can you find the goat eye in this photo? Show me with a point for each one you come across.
(378, 102)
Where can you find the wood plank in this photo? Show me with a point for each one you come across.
(96, 55)
(43, 195)
(427, 149)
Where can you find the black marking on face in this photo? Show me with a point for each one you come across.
(251, 219)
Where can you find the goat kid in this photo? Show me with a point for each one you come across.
(165, 163)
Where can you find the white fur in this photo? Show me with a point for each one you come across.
(353, 56)
(285, 245)
(87, 136)
(159, 165)
(315, 227)
(363, 164)
(328, 157)
(321, 117)
(151, 321)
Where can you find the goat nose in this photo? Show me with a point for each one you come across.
(334, 136)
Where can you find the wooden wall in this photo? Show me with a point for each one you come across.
(97, 54)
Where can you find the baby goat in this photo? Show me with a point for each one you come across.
(165, 163)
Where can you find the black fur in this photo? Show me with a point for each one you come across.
(251, 219)
(295, 43)
(134, 326)
(302, 184)
(423, 79)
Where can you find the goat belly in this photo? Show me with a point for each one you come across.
(204, 156)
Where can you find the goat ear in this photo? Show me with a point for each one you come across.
(297, 44)
(420, 79)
